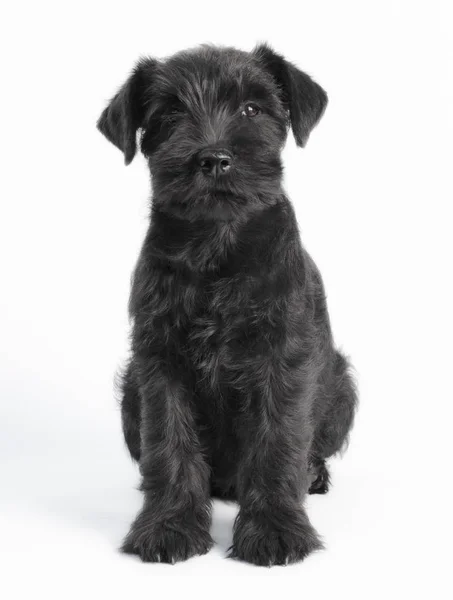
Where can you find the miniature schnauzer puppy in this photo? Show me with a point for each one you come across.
(234, 388)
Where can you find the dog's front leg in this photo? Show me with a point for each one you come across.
(175, 519)
(272, 526)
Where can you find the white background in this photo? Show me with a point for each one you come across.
(373, 193)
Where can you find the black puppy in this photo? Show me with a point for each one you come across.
(234, 388)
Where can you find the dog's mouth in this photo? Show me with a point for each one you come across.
(223, 185)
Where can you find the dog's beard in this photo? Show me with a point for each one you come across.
(190, 194)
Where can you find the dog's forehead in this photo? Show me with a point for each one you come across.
(208, 69)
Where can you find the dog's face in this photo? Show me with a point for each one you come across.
(213, 123)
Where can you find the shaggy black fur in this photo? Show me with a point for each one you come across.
(234, 387)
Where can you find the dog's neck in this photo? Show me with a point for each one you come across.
(207, 244)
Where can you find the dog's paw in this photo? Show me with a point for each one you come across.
(271, 539)
(166, 541)
(321, 479)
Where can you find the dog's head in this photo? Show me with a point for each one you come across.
(213, 122)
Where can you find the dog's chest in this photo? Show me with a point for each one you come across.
(237, 320)
(217, 301)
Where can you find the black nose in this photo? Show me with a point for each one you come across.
(215, 162)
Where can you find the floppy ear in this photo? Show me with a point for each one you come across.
(305, 99)
(124, 115)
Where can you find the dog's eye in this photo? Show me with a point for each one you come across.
(250, 110)
(174, 110)
(174, 114)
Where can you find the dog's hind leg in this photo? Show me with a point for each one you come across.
(130, 412)
(332, 433)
